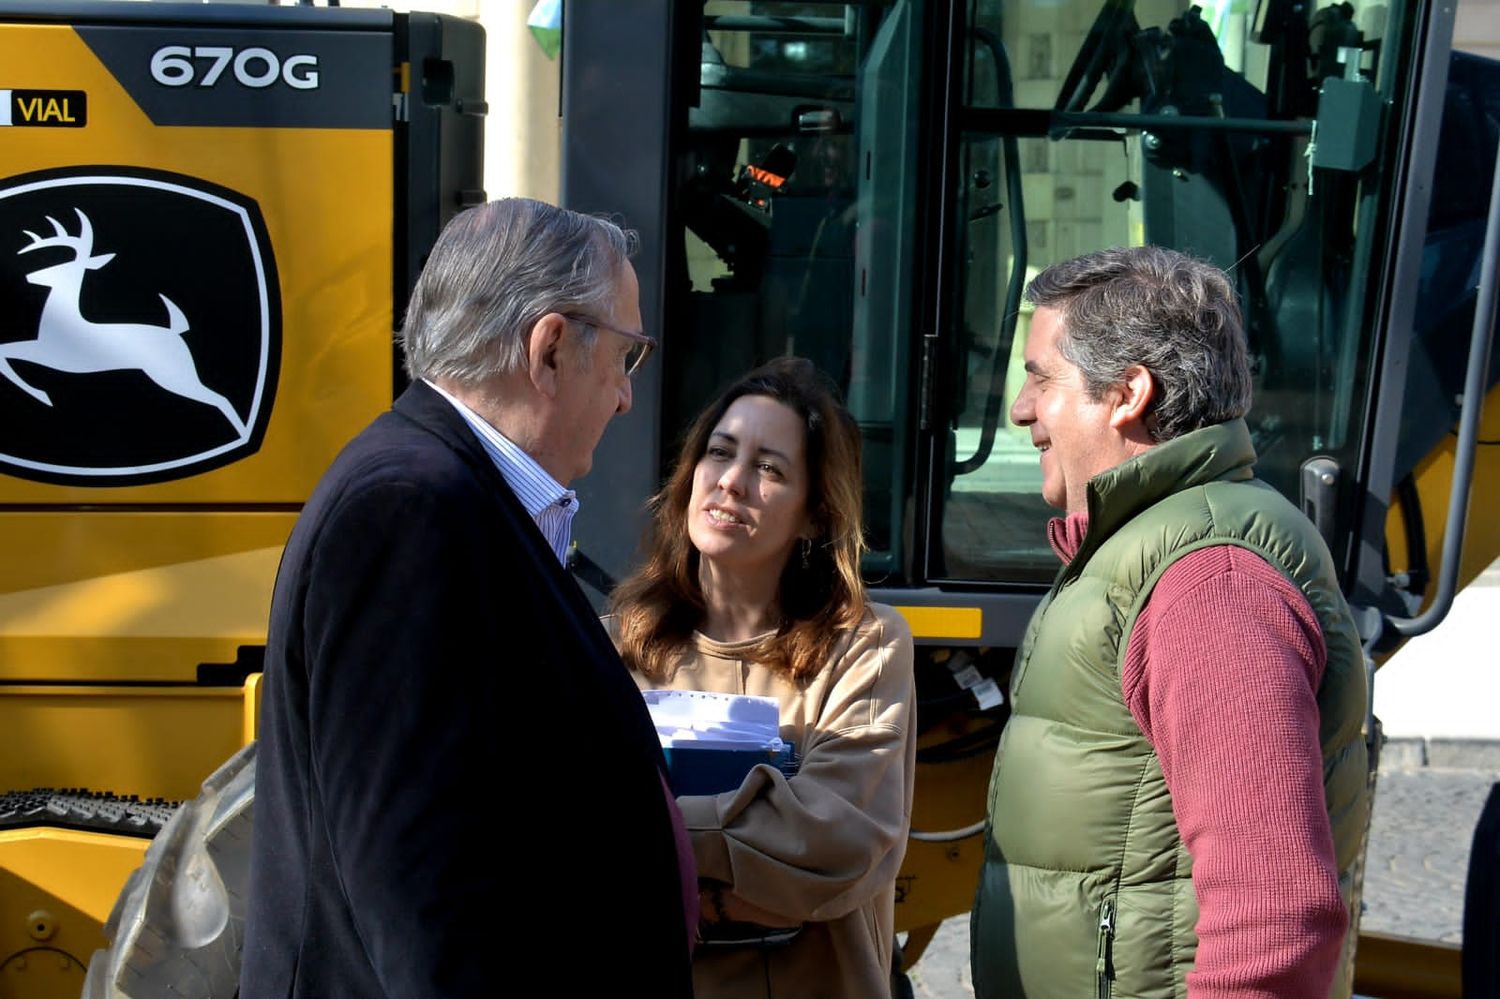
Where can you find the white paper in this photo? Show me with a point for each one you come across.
(988, 695)
(715, 721)
(968, 677)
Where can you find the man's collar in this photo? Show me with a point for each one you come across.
(1066, 534)
(532, 484)
(1221, 451)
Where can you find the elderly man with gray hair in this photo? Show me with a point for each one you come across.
(445, 725)
(1180, 795)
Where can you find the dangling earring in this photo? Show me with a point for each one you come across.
(806, 554)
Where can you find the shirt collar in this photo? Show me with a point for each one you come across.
(1066, 534)
(533, 486)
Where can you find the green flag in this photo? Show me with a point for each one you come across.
(545, 23)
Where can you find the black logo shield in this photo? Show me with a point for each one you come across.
(140, 326)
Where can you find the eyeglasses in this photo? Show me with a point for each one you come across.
(640, 348)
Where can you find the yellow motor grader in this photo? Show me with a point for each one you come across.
(866, 184)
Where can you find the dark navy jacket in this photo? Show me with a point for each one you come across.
(457, 777)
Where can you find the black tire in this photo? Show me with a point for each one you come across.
(178, 927)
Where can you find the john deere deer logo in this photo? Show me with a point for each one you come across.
(139, 326)
(68, 341)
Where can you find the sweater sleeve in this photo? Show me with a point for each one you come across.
(817, 845)
(1221, 673)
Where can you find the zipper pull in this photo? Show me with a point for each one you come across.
(1106, 933)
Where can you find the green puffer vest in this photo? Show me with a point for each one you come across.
(1086, 886)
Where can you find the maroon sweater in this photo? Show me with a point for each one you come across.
(1238, 744)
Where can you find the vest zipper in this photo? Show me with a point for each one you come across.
(1106, 938)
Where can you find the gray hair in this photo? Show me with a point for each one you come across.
(1171, 314)
(497, 269)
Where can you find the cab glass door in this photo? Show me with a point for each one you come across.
(794, 192)
(1085, 125)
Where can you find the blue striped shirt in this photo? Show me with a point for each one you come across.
(545, 499)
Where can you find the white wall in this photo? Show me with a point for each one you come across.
(523, 134)
(1477, 27)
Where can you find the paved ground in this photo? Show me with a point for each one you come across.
(1419, 849)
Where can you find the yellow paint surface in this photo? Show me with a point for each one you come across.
(944, 622)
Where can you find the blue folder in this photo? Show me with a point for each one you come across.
(692, 770)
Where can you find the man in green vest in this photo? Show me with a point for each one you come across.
(1179, 799)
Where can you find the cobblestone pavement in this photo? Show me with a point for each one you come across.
(1418, 858)
(1419, 850)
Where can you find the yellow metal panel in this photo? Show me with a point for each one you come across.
(81, 869)
(174, 601)
(113, 659)
(56, 890)
(944, 622)
(937, 879)
(91, 592)
(45, 548)
(325, 196)
(102, 597)
(1405, 968)
(1434, 475)
(251, 713)
(155, 742)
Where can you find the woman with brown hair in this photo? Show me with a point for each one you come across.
(751, 585)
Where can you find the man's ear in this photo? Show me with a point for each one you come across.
(1133, 398)
(543, 348)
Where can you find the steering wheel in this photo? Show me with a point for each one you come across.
(1108, 40)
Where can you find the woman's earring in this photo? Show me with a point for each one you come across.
(806, 554)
